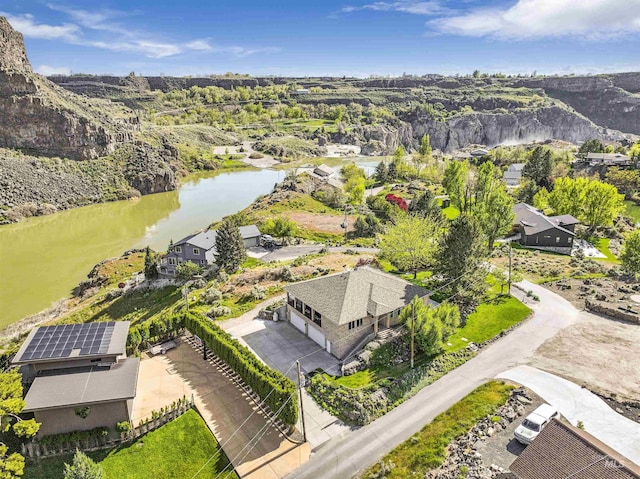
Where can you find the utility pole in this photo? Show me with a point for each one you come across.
(509, 278)
(304, 428)
(413, 328)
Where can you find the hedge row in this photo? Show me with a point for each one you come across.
(260, 377)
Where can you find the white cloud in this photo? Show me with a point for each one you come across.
(148, 48)
(432, 7)
(586, 19)
(204, 45)
(48, 70)
(96, 20)
(26, 25)
(199, 45)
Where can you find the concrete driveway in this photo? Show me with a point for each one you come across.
(279, 345)
(256, 448)
(578, 404)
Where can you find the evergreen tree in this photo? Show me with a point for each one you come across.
(150, 265)
(591, 146)
(392, 172)
(82, 468)
(382, 173)
(426, 205)
(630, 255)
(230, 250)
(459, 264)
(399, 154)
(539, 167)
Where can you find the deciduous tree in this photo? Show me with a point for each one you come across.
(454, 182)
(630, 255)
(410, 244)
(626, 181)
(279, 227)
(150, 265)
(187, 270)
(11, 405)
(425, 146)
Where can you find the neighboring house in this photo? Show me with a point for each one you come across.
(479, 153)
(323, 171)
(538, 230)
(562, 451)
(513, 175)
(608, 159)
(339, 311)
(199, 248)
(77, 370)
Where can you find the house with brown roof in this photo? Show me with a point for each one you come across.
(535, 229)
(562, 451)
(342, 310)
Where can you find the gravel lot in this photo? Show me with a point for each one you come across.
(596, 352)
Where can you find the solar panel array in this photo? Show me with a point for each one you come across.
(52, 342)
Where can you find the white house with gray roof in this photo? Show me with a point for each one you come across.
(78, 376)
(339, 311)
(200, 249)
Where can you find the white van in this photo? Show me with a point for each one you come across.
(526, 432)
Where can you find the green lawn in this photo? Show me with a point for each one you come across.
(426, 450)
(602, 245)
(633, 210)
(488, 320)
(174, 451)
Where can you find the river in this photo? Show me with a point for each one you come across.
(42, 259)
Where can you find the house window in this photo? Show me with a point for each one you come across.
(307, 311)
(569, 239)
(355, 324)
(172, 261)
(299, 305)
(203, 261)
(291, 300)
(163, 260)
(557, 239)
(178, 249)
(317, 318)
(196, 252)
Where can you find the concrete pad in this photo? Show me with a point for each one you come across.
(578, 404)
(280, 345)
(254, 445)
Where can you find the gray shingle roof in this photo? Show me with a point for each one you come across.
(323, 170)
(117, 343)
(351, 295)
(534, 221)
(206, 240)
(607, 156)
(561, 451)
(95, 385)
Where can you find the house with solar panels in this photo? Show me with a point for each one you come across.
(78, 376)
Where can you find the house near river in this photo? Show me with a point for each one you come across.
(200, 249)
(342, 311)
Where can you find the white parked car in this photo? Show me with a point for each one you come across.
(526, 432)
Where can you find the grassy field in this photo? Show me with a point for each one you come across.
(633, 210)
(174, 451)
(426, 450)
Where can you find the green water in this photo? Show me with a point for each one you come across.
(42, 259)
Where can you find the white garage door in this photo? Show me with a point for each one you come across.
(298, 322)
(316, 335)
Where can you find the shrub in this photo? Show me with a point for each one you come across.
(123, 426)
(256, 156)
(211, 296)
(257, 293)
(218, 311)
(275, 389)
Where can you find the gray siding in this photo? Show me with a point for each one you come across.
(187, 252)
(551, 237)
(61, 420)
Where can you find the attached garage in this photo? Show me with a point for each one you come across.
(317, 336)
(299, 322)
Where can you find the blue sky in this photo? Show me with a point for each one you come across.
(328, 37)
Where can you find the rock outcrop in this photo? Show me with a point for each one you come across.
(41, 118)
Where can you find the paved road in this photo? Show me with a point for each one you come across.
(344, 456)
(578, 404)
